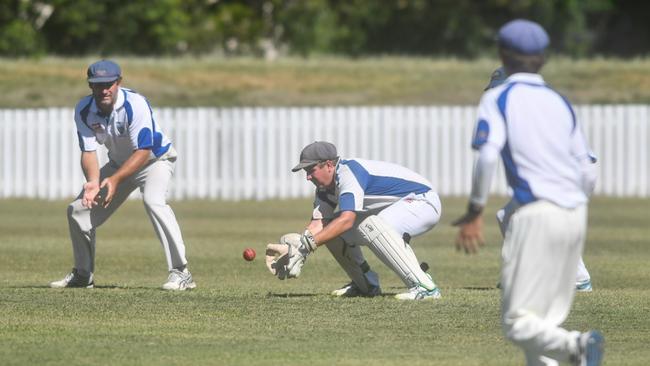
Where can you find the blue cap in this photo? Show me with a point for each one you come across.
(497, 78)
(523, 36)
(104, 71)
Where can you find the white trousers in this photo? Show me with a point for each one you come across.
(414, 214)
(540, 255)
(153, 181)
(503, 218)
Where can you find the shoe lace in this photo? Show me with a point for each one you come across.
(175, 276)
(68, 278)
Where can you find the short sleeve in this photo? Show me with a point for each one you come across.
(85, 134)
(141, 125)
(490, 125)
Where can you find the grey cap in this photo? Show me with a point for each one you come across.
(523, 36)
(497, 78)
(104, 71)
(314, 153)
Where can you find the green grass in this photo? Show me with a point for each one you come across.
(215, 81)
(241, 315)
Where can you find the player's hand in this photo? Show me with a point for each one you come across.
(473, 211)
(109, 185)
(296, 259)
(90, 196)
(298, 253)
(470, 236)
(279, 255)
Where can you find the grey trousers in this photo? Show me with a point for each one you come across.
(153, 181)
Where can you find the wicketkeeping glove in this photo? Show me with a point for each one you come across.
(298, 252)
(277, 255)
(276, 259)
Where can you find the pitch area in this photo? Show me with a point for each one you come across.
(241, 315)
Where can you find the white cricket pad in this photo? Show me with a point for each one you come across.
(391, 249)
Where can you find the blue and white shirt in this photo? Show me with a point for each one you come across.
(542, 146)
(365, 185)
(129, 127)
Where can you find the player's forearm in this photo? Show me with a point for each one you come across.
(134, 163)
(589, 175)
(484, 168)
(336, 227)
(315, 226)
(90, 166)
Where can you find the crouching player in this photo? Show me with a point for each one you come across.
(362, 202)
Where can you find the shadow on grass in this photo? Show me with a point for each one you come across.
(299, 295)
(286, 295)
(102, 287)
(480, 288)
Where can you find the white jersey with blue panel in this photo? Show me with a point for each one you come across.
(129, 127)
(542, 146)
(367, 185)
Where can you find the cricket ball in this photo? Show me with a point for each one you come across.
(249, 254)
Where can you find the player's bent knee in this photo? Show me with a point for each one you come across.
(152, 203)
(74, 208)
(520, 327)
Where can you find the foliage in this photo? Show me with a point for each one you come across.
(462, 28)
(18, 37)
(116, 26)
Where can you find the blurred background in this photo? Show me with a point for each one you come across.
(242, 85)
(271, 28)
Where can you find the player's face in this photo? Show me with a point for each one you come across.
(322, 174)
(105, 94)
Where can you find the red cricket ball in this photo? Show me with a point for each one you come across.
(249, 254)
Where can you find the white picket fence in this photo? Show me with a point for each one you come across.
(247, 153)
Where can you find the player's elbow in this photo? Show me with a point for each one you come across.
(488, 155)
(347, 219)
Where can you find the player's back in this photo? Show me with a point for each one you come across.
(540, 129)
(371, 184)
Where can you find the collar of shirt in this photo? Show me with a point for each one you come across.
(525, 77)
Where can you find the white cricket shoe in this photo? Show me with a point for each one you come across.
(351, 290)
(74, 279)
(584, 286)
(419, 293)
(590, 349)
(179, 281)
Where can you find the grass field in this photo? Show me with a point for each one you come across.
(218, 81)
(241, 315)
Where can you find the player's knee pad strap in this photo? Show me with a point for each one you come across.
(389, 246)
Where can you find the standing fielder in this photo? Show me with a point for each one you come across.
(583, 279)
(551, 175)
(362, 202)
(140, 156)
